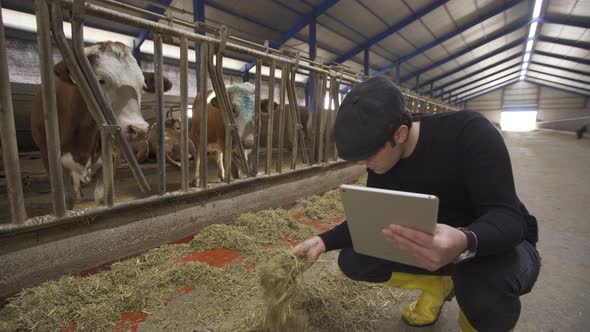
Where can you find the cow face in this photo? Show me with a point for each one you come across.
(122, 82)
(241, 97)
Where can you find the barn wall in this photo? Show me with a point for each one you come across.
(552, 104)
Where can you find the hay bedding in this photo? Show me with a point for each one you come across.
(276, 295)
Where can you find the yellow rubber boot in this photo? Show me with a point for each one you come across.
(464, 323)
(435, 291)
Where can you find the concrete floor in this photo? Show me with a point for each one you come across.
(551, 172)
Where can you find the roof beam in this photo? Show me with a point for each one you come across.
(305, 21)
(488, 90)
(583, 23)
(143, 34)
(557, 88)
(562, 84)
(504, 32)
(391, 30)
(559, 76)
(455, 33)
(562, 57)
(564, 42)
(575, 71)
(474, 62)
(482, 84)
(480, 79)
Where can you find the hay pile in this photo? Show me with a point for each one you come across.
(234, 298)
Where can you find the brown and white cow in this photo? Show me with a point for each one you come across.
(171, 141)
(288, 125)
(242, 99)
(122, 82)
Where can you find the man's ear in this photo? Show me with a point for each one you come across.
(401, 134)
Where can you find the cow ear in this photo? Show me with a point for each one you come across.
(149, 80)
(62, 72)
(167, 84)
(214, 102)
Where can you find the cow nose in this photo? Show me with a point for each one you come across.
(136, 132)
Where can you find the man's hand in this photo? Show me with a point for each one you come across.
(311, 248)
(430, 251)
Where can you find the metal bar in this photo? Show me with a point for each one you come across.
(561, 84)
(292, 109)
(198, 18)
(495, 83)
(479, 80)
(112, 15)
(392, 29)
(160, 113)
(184, 166)
(508, 30)
(562, 57)
(472, 74)
(336, 109)
(106, 142)
(486, 91)
(204, 55)
(283, 86)
(14, 189)
(574, 71)
(328, 124)
(321, 116)
(558, 76)
(271, 112)
(256, 119)
(305, 21)
(556, 88)
(50, 108)
(564, 42)
(88, 85)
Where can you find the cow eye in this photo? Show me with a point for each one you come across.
(101, 81)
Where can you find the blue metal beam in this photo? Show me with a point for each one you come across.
(575, 71)
(559, 76)
(481, 78)
(556, 88)
(563, 57)
(310, 86)
(485, 83)
(564, 42)
(561, 84)
(504, 32)
(391, 30)
(455, 33)
(143, 34)
(486, 91)
(475, 62)
(583, 23)
(315, 12)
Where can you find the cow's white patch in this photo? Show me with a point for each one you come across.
(210, 96)
(123, 85)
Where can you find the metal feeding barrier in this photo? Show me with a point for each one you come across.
(212, 50)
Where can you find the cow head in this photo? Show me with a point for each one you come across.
(122, 82)
(241, 96)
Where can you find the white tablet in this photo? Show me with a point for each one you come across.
(368, 210)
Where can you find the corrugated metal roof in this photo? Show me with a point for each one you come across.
(439, 41)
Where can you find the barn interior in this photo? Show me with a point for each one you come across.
(527, 60)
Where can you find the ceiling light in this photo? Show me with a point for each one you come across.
(537, 9)
(533, 29)
(527, 57)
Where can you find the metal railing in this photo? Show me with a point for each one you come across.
(322, 148)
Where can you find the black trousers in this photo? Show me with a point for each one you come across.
(487, 288)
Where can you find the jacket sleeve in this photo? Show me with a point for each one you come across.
(499, 222)
(337, 238)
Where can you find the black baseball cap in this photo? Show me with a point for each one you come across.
(367, 117)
